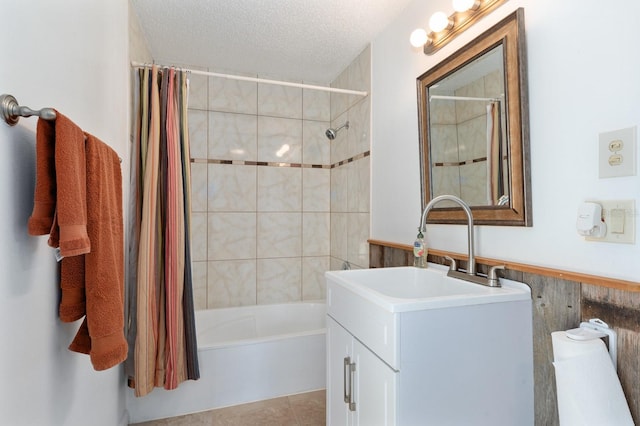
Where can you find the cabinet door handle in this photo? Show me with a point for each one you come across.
(352, 372)
(345, 373)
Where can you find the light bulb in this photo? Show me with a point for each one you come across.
(462, 5)
(438, 22)
(418, 37)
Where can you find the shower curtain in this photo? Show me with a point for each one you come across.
(494, 154)
(161, 322)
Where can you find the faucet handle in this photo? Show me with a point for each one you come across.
(492, 277)
(453, 265)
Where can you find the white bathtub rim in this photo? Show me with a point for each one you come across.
(259, 340)
(309, 304)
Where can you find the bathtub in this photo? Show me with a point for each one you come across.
(246, 354)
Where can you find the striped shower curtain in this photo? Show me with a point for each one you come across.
(495, 185)
(161, 323)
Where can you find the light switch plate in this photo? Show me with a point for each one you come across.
(619, 215)
(617, 153)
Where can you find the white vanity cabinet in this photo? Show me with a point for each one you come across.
(363, 387)
(446, 363)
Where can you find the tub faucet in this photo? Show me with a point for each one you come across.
(491, 279)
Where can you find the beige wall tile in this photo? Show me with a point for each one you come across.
(316, 191)
(363, 184)
(198, 133)
(231, 236)
(199, 283)
(199, 236)
(442, 111)
(359, 140)
(313, 281)
(233, 136)
(316, 105)
(279, 101)
(340, 145)
(316, 147)
(340, 101)
(357, 235)
(472, 138)
(231, 283)
(335, 264)
(474, 183)
(233, 95)
(339, 235)
(199, 187)
(466, 110)
(279, 189)
(232, 188)
(279, 235)
(446, 148)
(316, 234)
(279, 140)
(446, 180)
(358, 184)
(279, 280)
(339, 189)
(198, 91)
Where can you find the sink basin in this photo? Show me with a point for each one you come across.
(402, 289)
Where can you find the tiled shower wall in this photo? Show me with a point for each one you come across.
(263, 191)
(461, 126)
(350, 172)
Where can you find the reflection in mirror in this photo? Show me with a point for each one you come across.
(467, 144)
(474, 137)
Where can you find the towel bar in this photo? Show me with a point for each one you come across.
(11, 111)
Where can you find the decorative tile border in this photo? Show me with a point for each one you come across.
(462, 163)
(277, 164)
(352, 159)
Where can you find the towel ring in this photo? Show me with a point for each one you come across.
(11, 111)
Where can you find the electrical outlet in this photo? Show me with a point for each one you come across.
(617, 153)
(620, 217)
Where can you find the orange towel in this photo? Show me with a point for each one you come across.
(44, 203)
(78, 201)
(60, 207)
(101, 335)
(72, 284)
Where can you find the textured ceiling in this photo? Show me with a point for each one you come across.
(301, 40)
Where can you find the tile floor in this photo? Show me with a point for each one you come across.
(306, 409)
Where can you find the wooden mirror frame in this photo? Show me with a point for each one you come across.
(510, 33)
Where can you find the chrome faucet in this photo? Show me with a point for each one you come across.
(471, 269)
(492, 279)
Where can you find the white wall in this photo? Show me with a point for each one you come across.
(71, 55)
(583, 80)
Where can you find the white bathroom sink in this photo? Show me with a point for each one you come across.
(402, 289)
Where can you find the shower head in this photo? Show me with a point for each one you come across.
(332, 133)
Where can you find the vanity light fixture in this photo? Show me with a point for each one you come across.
(439, 21)
(445, 28)
(464, 5)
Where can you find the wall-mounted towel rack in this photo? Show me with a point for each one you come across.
(11, 111)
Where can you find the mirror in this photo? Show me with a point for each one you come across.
(474, 129)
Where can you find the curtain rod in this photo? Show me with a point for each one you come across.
(261, 80)
(463, 98)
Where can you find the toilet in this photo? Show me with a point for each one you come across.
(588, 388)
